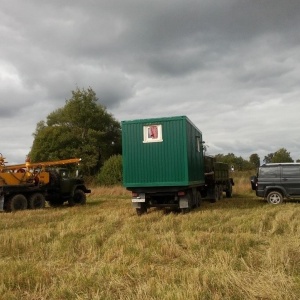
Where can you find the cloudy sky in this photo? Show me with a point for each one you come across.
(231, 66)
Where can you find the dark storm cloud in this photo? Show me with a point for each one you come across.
(223, 63)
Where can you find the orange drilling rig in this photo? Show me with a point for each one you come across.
(30, 185)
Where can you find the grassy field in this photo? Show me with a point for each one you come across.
(238, 248)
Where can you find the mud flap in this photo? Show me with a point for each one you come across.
(137, 204)
(138, 201)
(184, 202)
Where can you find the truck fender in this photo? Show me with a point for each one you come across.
(277, 188)
(73, 191)
(80, 187)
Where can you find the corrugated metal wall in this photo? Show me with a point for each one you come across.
(195, 158)
(172, 162)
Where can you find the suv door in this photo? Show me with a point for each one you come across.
(267, 176)
(290, 179)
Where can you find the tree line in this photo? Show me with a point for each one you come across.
(84, 128)
(239, 163)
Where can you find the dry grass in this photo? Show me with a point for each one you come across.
(238, 248)
(242, 185)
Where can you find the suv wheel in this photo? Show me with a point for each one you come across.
(275, 197)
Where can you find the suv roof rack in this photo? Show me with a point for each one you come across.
(279, 164)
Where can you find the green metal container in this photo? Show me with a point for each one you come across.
(162, 152)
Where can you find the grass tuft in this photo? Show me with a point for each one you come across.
(237, 248)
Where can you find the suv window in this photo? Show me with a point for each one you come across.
(269, 172)
(290, 171)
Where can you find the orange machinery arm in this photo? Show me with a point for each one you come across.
(52, 163)
(25, 173)
(39, 164)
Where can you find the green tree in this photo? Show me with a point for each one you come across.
(111, 172)
(268, 158)
(238, 162)
(82, 128)
(229, 158)
(255, 160)
(282, 156)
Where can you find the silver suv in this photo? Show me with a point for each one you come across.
(275, 182)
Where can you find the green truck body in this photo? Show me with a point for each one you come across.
(170, 160)
(164, 164)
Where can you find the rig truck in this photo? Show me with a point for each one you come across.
(164, 165)
(30, 185)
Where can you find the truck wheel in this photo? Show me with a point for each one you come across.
(79, 197)
(198, 199)
(220, 192)
(185, 210)
(36, 201)
(229, 191)
(141, 210)
(17, 202)
(216, 194)
(275, 197)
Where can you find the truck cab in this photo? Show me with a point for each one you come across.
(64, 187)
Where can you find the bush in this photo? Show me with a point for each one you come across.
(111, 172)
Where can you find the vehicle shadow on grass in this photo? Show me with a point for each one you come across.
(291, 200)
(234, 203)
(242, 203)
(95, 203)
(226, 203)
(67, 206)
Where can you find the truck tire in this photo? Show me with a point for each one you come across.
(198, 199)
(216, 194)
(220, 192)
(275, 197)
(17, 202)
(36, 201)
(185, 210)
(229, 191)
(142, 210)
(79, 197)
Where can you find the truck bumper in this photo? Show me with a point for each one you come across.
(138, 200)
